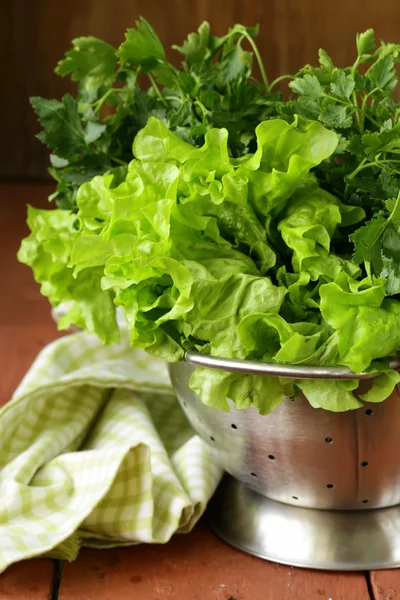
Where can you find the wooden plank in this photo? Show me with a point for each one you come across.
(28, 580)
(198, 566)
(36, 34)
(385, 584)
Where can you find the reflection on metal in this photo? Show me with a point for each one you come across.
(303, 537)
(276, 370)
(299, 458)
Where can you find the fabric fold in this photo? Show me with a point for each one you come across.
(95, 450)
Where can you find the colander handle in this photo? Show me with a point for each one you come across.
(276, 370)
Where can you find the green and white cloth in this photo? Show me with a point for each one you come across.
(95, 450)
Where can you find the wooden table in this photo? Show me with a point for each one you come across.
(192, 567)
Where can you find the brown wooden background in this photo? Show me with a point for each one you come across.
(35, 33)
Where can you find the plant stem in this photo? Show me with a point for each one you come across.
(99, 103)
(376, 163)
(394, 209)
(259, 60)
(364, 105)
(367, 96)
(360, 167)
(359, 120)
(256, 81)
(118, 160)
(354, 97)
(339, 100)
(372, 120)
(355, 66)
(157, 89)
(281, 78)
(203, 109)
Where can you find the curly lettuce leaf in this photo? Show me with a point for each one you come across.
(367, 325)
(269, 337)
(335, 396)
(156, 143)
(194, 248)
(285, 155)
(215, 388)
(311, 220)
(382, 385)
(47, 251)
(220, 306)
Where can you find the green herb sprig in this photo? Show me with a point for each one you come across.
(213, 87)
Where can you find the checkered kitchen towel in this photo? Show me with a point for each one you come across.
(95, 450)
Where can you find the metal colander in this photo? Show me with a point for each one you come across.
(299, 455)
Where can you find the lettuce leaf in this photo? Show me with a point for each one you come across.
(285, 155)
(311, 219)
(215, 388)
(367, 325)
(336, 396)
(47, 251)
(232, 256)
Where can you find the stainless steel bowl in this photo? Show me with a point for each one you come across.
(298, 459)
(300, 455)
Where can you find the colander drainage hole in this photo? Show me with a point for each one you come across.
(364, 464)
(295, 497)
(369, 412)
(330, 485)
(234, 426)
(271, 457)
(328, 440)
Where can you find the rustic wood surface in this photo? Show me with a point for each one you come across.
(29, 580)
(193, 567)
(198, 567)
(385, 585)
(35, 35)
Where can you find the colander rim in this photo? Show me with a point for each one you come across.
(278, 370)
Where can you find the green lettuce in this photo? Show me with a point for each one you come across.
(231, 256)
(367, 324)
(285, 155)
(311, 221)
(47, 251)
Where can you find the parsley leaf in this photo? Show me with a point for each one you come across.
(63, 131)
(335, 115)
(342, 85)
(325, 60)
(308, 86)
(378, 242)
(142, 48)
(365, 42)
(90, 58)
(212, 88)
(197, 46)
(383, 74)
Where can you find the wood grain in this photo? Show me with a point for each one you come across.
(386, 584)
(36, 34)
(28, 580)
(198, 566)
